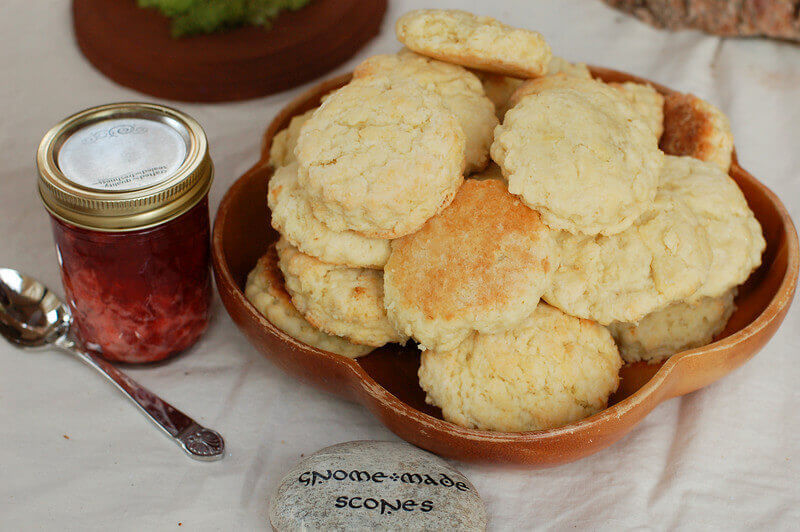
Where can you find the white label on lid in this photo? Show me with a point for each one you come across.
(122, 154)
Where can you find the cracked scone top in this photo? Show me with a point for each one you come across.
(647, 101)
(380, 157)
(460, 90)
(292, 218)
(480, 265)
(347, 302)
(664, 257)
(696, 128)
(733, 232)
(678, 327)
(474, 41)
(575, 150)
(265, 291)
(550, 370)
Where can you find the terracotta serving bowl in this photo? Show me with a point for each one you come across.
(386, 380)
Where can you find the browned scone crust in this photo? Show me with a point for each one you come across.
(696, 128)
(480, 265)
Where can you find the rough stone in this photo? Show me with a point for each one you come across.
(372, 485)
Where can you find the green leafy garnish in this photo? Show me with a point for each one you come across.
(190, 17)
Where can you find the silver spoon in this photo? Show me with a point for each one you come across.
(31, 316)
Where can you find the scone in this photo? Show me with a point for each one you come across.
(265, 291)
(380, 157)
(473, 41)
(664, 257)
(347, 302)
(499, 88)
(292, 218)
(281, 152)
(576, 150)
(676, 328)
(647, 101)
(733, 232)
(559, 65)
(460, 91)
(696, 128)
(481, 265)
(550, 370)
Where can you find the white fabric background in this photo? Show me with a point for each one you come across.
(724, 457)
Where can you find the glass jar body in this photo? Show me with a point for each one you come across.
(138, 296)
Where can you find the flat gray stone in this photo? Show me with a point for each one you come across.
(375, 485)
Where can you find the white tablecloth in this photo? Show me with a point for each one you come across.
(724, 457)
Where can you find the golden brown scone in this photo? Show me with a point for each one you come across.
(499, 88)
(460, 90)
(733, 232)
(347, 302)
(577, 151)
(473, 41)
(265, 291)
(647, 101)
(545, 83)
(480, 265)
(550, 370)
(292, 218)
(696, 128)
(664, 257)
(281, 152)
(676, 328)
(380, 157)
(559, 65)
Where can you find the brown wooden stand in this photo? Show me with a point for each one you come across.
(133, 46)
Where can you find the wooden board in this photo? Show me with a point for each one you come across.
(133, 46)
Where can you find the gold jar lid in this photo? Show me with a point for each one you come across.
(123, 166)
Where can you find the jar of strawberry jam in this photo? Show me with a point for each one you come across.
(126, 186)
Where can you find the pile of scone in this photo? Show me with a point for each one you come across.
(528, 226)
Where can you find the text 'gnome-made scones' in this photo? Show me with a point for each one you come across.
(664, 257)
(577, 151)
(550, 370)
(265, 291)
(733, 232)
(474, 41)
(461, 93)
(677, 327)
(292, 218)
(347, 302)
(380, 157)
(480, 265)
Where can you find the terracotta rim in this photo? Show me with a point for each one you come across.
(659, 387)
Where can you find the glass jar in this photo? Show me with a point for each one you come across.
(126, 186)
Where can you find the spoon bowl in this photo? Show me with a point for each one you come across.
(31, 316)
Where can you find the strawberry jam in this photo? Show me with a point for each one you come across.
(138, 296)
(126, 186)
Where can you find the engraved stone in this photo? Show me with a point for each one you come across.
(378, 486)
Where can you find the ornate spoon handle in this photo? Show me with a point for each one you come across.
(199, 442)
